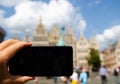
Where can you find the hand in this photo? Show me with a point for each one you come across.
(7, 50)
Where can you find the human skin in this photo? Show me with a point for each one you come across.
(8, 49)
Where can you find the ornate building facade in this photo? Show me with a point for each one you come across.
(110, 56)
(117, 53)
(82, 51)
(93, 43)
(41, 37)
(54, 36)
(71, 40)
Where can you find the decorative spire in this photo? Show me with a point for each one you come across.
(27, 38)
(40, 24)
(69, 32)
(82, 36)
(55, 28)
(92, 38)
(16, 36)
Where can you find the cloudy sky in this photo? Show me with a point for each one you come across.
(98, 18)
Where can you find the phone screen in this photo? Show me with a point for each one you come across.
(42, 61)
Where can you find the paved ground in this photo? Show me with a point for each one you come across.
(94, 79)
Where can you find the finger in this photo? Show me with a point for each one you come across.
(12, 49)
(22, 79)
(6, 43)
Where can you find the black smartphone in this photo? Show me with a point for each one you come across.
(42, 61)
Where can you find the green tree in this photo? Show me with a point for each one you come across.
(94, 58)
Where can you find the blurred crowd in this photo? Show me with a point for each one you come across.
(82, 76)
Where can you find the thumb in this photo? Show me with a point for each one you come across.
(23, 79)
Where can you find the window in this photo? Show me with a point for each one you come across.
(81, 58)
(93, 44)
(118, 52)
(82, 44)
(83, 50)
(38, 31)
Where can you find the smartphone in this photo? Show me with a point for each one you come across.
(42, 61)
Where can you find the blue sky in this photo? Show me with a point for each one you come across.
(98, 18)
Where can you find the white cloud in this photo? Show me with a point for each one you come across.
(2, 13)
(109, 36)
(28, 13)
(9, 3)
(1, 17)
(95, 2)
